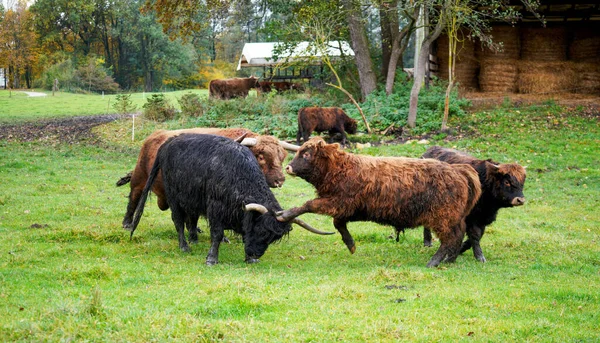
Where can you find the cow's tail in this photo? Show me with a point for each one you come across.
(124, 180)
(139, 210)
(474, 185)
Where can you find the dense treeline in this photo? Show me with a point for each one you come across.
(102, 45)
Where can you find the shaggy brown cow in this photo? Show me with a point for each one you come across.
(319, 119)
(268, 150)
(501, 186)
(231, 88)
(402, 192)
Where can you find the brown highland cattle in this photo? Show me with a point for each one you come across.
(319, 119)
(501, 187)
(268, 150)
(231, 88)
(402, 192)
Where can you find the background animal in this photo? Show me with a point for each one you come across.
(212, 176)
(501, 186)
(319, 119)
(226, 89)
(402, 192)
(268, 150)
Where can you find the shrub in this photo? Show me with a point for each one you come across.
(191, 105)
(93, 77)
(61, 71)
(157, 108)
(124, 104)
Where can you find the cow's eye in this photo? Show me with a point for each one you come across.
(306, 156)
(507, 183)
(261, 159)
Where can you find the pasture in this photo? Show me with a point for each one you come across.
(69, 272)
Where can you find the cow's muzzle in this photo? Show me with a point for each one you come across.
(290, 170)
(518, 201)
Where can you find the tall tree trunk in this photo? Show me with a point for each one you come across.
(387, 38)
(420, 67)
(360, 45)
(399, 45)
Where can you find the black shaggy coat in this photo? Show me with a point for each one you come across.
(212, 176)
(501, 186)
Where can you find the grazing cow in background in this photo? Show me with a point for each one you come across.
(402, 192)
(213, 176)
(231, 88)
(501, 186)
(268, 150)
(319, 119)
(280, 87)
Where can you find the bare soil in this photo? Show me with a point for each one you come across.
(65, 130)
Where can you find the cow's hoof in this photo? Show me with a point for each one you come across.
(252, 260)
(481, 258)
(127, 227)
(352, 249)
(225, 240)
(211, 262)
(427, 244)
(185, 249)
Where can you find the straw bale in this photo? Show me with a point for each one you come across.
(544, 44)
(588, 78)
(498, 75)
(585, 45)
(466, 66)
(546, 77)
(511, 41)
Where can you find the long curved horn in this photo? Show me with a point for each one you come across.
(240, 139)
(248, 142)
(255, 207)
(289, 146)
(305, 225)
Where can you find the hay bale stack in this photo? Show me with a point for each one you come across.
(544, 44)
(467, 65)
(546, 77)
(588, 78)
(585, 45)
(511, 42)
(498, 75)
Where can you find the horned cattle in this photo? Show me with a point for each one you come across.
(319, 119)
(402, 192)
(501, 185)
(212, 176)
(268, 150)
(226, 89)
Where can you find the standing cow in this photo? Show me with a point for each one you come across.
(402, 192)
(268, 150)
(319, 119)
(231, 88)
(501, 186)
(213, 176)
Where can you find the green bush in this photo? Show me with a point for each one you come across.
(61, 71)
(158, 108)
(191, 105)
(124, 104)
(93, 77)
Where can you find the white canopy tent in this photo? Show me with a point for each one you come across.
(261, 54)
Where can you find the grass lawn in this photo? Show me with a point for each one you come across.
(69, 272)
(18, 106)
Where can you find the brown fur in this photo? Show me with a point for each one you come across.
(268, 152)
(231, 88)
(280, 87)
(502, 187)
(402, 192)
(319, 119)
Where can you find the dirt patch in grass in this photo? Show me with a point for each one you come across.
(65, 130)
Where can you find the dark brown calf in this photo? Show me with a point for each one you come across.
(319, 119)
(501, 186)
(268, 150)
(402, 192)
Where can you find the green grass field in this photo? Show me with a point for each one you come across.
(17, 106)
(68, 271)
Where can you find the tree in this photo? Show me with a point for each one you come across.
(360, 45)
(17, 45)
